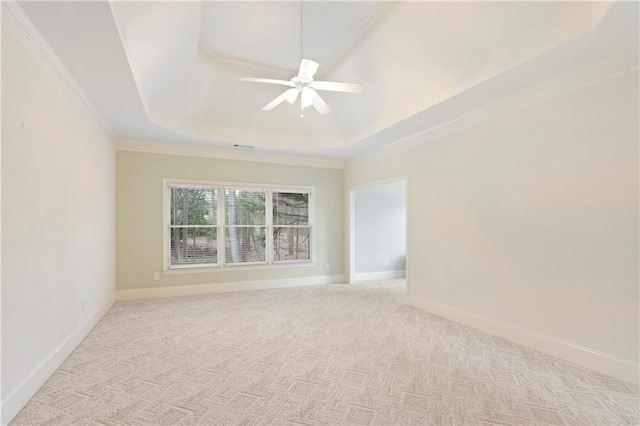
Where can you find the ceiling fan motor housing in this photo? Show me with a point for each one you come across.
(301, 82)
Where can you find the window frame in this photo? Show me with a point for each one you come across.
(221, 265)
(310, 226)
(223, 201)
(167, 220)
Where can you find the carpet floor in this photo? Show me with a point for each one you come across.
(333, 354)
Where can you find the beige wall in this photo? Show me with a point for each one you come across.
(531, 218)
(58, 224)
(140, 215)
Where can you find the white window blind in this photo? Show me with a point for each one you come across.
(193, 226)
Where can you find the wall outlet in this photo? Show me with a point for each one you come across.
(156, 276)
(386, 262)
(326, 267)
(449, 292)
(82, 306)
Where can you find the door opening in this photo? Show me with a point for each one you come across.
(378, 231)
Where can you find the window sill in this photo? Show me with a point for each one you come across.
(230, 268)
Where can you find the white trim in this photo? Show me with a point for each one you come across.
(379, 182)
(208, 267)
(1, 316)
(208, 151)
(351, 235)
(269, 224)
(313, 228)
(407, 252)
(551, 88)
(177, 270)
(374, 21)
(25, 390)
(192, 290)
(604, 363)
(186, 183)
(257, 264)
(166, 233)
(220, 221)
(203, 226)
(18, 24)
(240, 66)
(382, 275)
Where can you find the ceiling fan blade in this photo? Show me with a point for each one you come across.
(308, 68)
(306, 97)
(337, 87)
(277, 101)
(319, 104)
(311, 97)
(292, 96)
(267, 80)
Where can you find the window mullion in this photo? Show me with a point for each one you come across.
(269, 224)
(167, 230)
(312, 226)
(221, 227)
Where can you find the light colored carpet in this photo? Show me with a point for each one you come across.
(332, 354)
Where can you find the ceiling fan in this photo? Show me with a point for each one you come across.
(304, 85)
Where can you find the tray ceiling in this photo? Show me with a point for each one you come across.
(171, 70)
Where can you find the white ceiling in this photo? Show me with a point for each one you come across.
(169, 71)
(268, 33)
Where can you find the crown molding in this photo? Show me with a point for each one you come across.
(240, 154)
(379, 15)
(554, 87)
(240, 66)
(22, 29)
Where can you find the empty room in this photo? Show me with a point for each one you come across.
(320, 212)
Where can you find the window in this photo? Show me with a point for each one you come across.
(220, 224)
(245, 233)
(291, 230)
(193, 231)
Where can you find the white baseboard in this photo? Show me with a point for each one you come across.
(383, 275)
(191, 290)
(25, 390)
(604, 363)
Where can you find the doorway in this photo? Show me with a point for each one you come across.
(378, 231)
